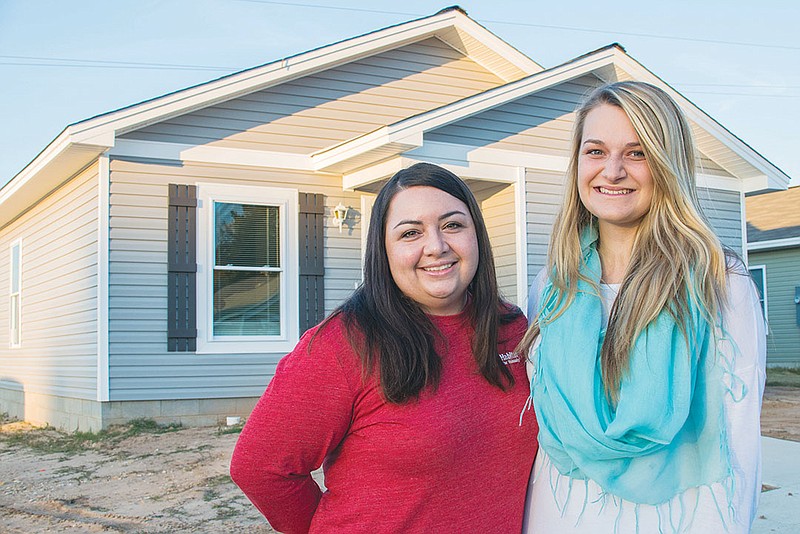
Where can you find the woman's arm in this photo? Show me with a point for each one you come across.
(303, 415)
(743, 324)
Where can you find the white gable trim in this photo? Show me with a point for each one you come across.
(763, 175)
(211, 154)
(462, 109)
(774, 244)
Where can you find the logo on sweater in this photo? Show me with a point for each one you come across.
(509, 357)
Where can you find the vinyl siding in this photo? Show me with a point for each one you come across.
(140, 366)
(498, 207)
(724, 212)
(540, 122)
(58, 352)
(783, 276)
(544, 191)
(543, 194)
(323, 109)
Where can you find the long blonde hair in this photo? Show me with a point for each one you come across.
(677, 260)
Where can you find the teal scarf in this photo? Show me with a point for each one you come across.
(666, 432)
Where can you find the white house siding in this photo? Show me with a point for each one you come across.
(140, 366)
(335, 105)
(783, 277)
(499, 209)
(58, 352)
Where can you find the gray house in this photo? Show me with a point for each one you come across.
(773, 246)
(163, 257)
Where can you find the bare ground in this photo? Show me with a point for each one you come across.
(173, 481)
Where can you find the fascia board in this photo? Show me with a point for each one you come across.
(418, 124)
(57, 146)
(28, 187)
(465, 155)
(372, 174)
(725, 183)
(210, 154)
(494, 172)
(103, 129)
(777, 179)
(774, 244)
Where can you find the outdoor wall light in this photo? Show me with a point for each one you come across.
(339, 215)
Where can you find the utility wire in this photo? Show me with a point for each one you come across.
(108, 62)
(532, 25)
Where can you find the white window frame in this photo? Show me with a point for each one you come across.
(763, 268)
(15, 297)
(287, 200)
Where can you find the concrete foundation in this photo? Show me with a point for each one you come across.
(72, 414)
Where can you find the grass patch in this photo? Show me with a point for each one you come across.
(49, 440)
(233, 429)
(783, 376)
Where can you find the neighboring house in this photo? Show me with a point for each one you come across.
(164, 257)
(773, 249)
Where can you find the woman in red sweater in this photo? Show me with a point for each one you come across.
(408, 394)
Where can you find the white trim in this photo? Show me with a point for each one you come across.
(773, 244)
(764, 286)
(743, 222)
(766, 175)
(465, 155)
(520, 197)
(210, 154)
(374, 173)
(285, 198)
(725, 183)
(404, 132)
(17, 243)
(407, 129)
(367, 202)
(103, 210)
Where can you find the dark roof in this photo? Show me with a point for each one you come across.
(774, 215)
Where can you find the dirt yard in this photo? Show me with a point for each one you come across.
(146, 479)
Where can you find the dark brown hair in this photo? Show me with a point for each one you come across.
(391, 332)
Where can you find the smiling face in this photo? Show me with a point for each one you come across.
(614, 181)
(432, 248)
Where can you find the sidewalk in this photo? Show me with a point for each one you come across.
(779, 509)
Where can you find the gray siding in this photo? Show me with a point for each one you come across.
(543, 194)
(540, 122)
(58, 352)
(320, 110)
(724, 212)
(140, 366)
(498, 206)
(783, 276)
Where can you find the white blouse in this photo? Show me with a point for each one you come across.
(559, 504)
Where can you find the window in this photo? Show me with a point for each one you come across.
(247, 256)
(759, 275)
(16, 283)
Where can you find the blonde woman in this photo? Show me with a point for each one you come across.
(646, 342)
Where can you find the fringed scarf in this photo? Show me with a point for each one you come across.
(666, 432)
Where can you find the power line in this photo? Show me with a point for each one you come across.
(110, 63)
(532, 25)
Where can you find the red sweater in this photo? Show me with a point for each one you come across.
(456, 460)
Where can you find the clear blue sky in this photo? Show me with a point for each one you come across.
(65, 61)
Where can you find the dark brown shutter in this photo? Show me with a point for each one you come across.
(181, 278)
(312, 269)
